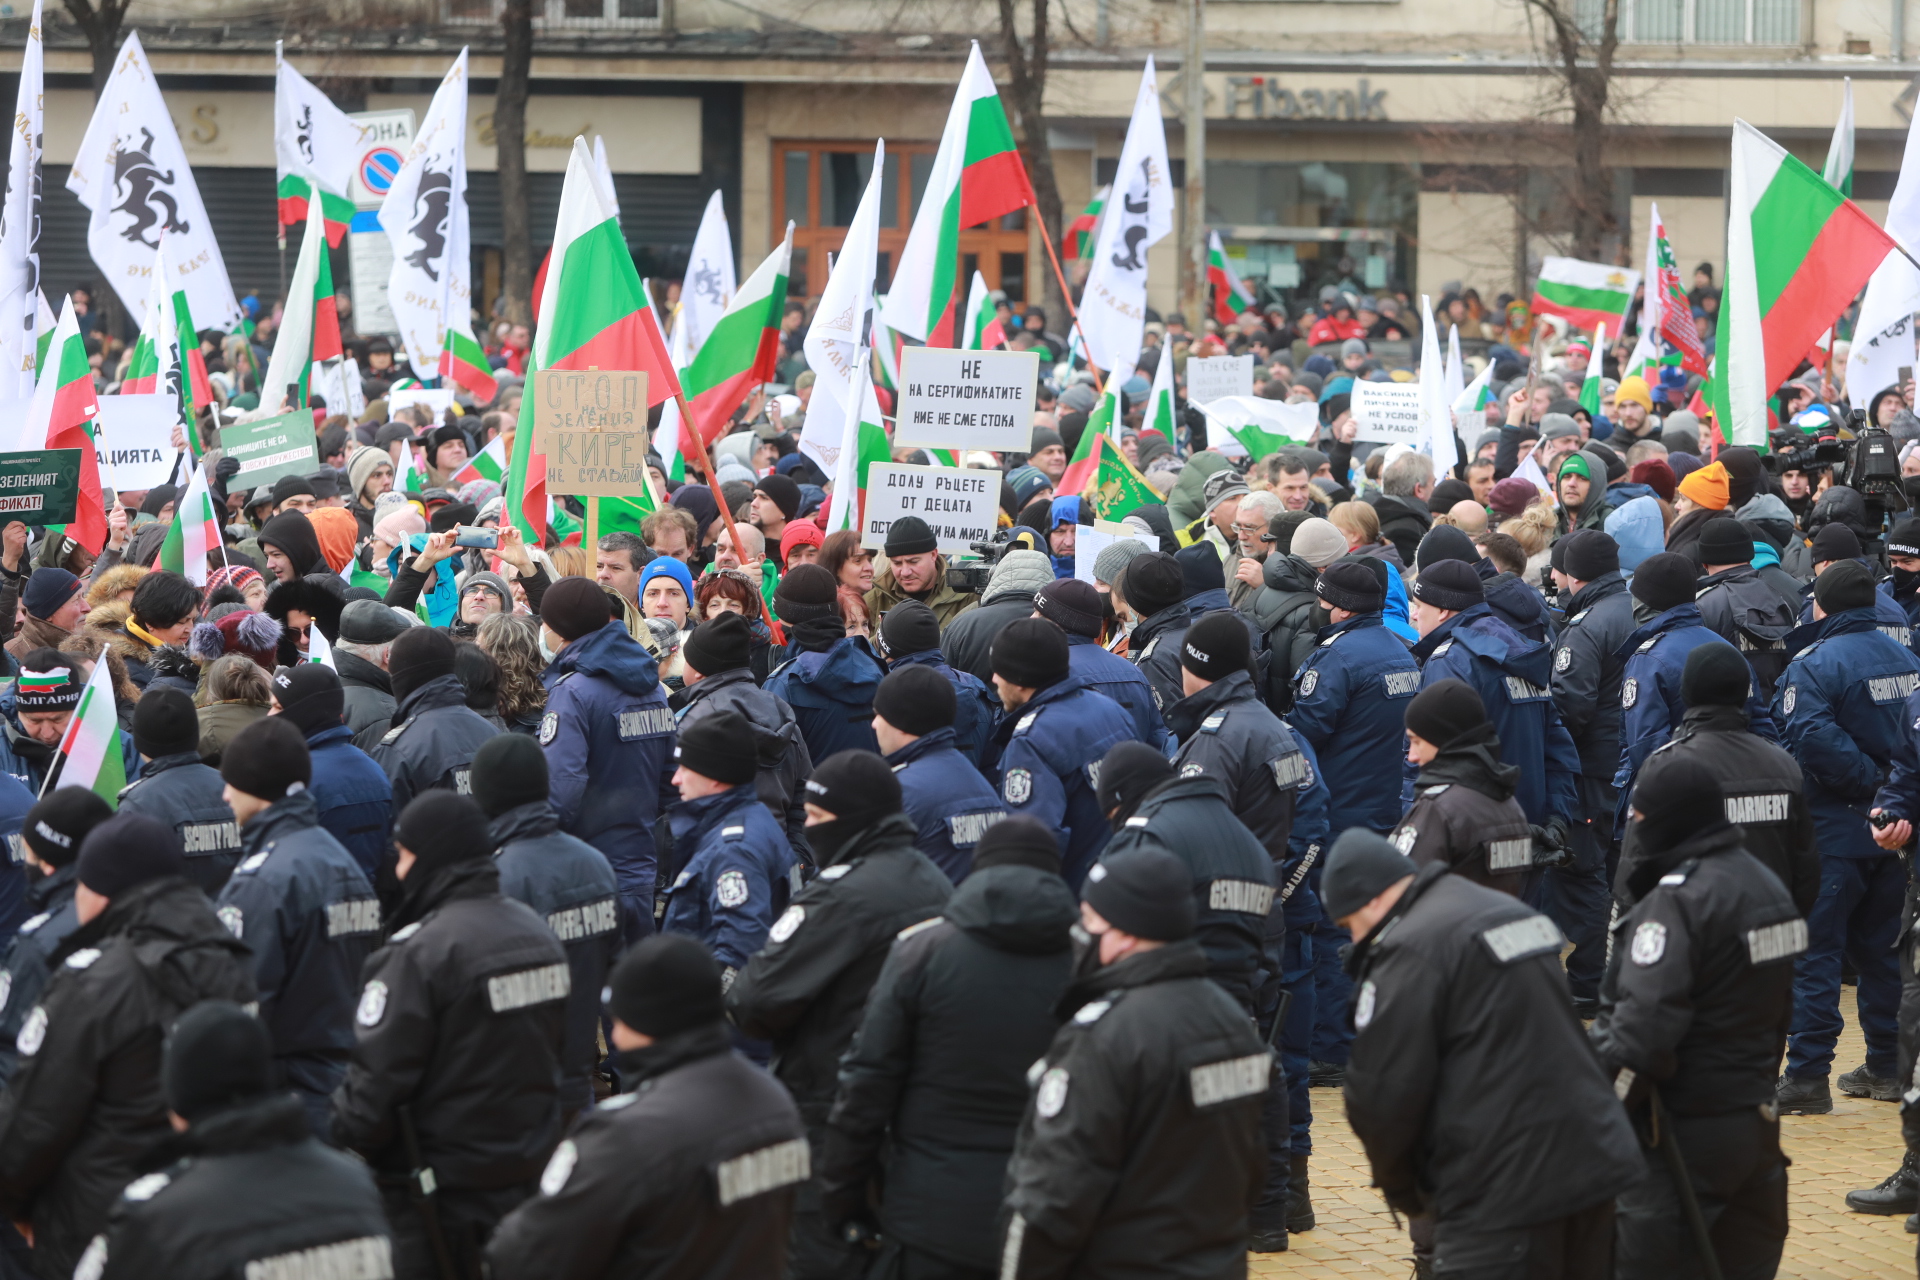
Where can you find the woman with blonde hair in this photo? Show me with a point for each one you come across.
(234, 694)
(1534, 530)
(1361, 524)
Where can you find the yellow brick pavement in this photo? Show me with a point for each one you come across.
(1856, 1146)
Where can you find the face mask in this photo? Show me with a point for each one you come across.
(545, 652)
(1086, 952)
(1905, 580)
(829, 838)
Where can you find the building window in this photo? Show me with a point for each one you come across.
(1294, 229)
(817, 186)
(564, 13)
(1758, 22)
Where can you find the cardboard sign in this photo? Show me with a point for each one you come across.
(961, 507)
(1212, 378)
(1089, 543)
(134, 440)
(966, 399)
(40, 487)
(588, 400)
(1389, 413)
(438, 399)
(596, 464)
(268, 448)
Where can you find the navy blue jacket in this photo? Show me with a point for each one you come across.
(1510, 673)
(608, 734)
(1350, 704)
(949, 800)
(977, 706)
(1842, 704)
(29, 957)
(183, 792)
(15, 904)
(831, 694)
(1047, 757)
(570, 885)
(1154, 648)
(1586, 672)
(353, 794)
(1893, 618)
(430, 743)
(1654, 658)
(307, 911)
(1908, 602)
(1113, 675)
(736, 879)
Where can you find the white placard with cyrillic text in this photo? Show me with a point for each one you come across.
(1389, 413)
(966, 399)
(1216, 377)
(135, 440)
(962, 507)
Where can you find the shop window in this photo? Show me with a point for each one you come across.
(1758, 22)
(1293, 229)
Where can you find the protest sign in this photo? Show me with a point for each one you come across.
(133, 438)
(1088, 543)
(1214, 377)
(966, 399)
(438, 399)
(596, 464)
(961, 507)
(41, 486)
(589, 400)
(268, 448)
(1389, 413)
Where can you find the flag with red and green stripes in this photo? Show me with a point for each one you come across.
(594, 313)
(1584, 294)
(489, 464)
(984, 332)
(316, 148)
(1797, 253)
(1077, 240)
(1159, 415)
(310, 326)
(863, 443)
(743, 350)
(151, 348)
(195, 531)
(464, 362)
(1103, 421)
(1590, 386)
(61, 416)
(976, 175)
(1230, 296)
(90, 751)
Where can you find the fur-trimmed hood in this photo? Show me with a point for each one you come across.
(111, 582)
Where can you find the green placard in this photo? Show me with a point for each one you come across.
(268, 448)
(40, 487)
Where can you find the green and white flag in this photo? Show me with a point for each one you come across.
(1839, 167)
(1159, 414)
(90, 751)
(1590, 389)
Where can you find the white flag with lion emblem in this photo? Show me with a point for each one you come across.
(132, 173)
(709, 283)
(425, 216)
(1139, 214)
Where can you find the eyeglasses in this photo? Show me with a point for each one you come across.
(1251, 530)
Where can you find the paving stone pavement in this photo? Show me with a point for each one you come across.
(1856, 1146)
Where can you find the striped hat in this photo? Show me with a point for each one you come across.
(54, 690)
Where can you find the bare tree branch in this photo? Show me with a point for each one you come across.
(1027, 89)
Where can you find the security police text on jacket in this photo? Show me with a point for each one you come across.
(566, 881)
(1460, 638)
(909, 636)
(86, 1102)
(829, 676)
(738, 870)
(934, 1086)
(245, 1189)
(1463, 813)
(52, 834)
(1764, 787)
(1350, 699)
(725, 644)
(352, 794)
(177, 789)
(1080, 611)
(461, 1025)
(1141, 1150)
(1738, 606)
(1051, 737)
(430, 742)
(303, 906)
(692, 1173)
(952, 805)
(1695, 1006)
(1470, 1084)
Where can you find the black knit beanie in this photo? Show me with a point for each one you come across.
(719, 644)
(1716, 676)
(1154, 582)
(1033, 652)
(128, 850)
(58, 824)
(1834, 542)
(268, 759)
(917, 700)
(1844, 584)
(310, 696)
(721, 746)
(784, 492)
(857, 787)
(1350, 585)
(420, 654)
(1018, 841)
(1217, 646)
(1586, 554)
(1444, 542)
(1199, 570)
(1361, 866)
(508, 770)
(1077, 607)
(1676, 801)
(165, 723)
(1449, 584)
(1725, 542)
(1128, 772)
(217, 1056)
(442, 829)
(666, 984)
(1145, 892)
(909, 627)
(571, 608)
(1665, 581)
(1445, 710)
(807, 592)
(909, 536)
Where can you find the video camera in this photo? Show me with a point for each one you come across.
(971, 576)
(1869, 464)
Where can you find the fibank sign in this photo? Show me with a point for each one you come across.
(1266, 98)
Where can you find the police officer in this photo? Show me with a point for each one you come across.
(1833, 544)
(1586, 690)
(1763, 785)
(54, 830)
(950, 803)
(86, 1101)
(1051, 736)
(909, 636)
(738, 870)
(1903, 558)
(430, 742)
(1076, 607)
(303, 906)
(351, 794)
(1463, 813)
(1842, 703)
(179, 790)
(720, 1144)
(1693, 1014)
(1155, 590)
(932, 1091)
(1156, 1069)
(608, 735)
(805, 989)
(716, 663)
(244, 1188)
(829, 676)
(1740, 608)
(452, 1093)
(1481, 1108)
(568, 883)
(1895, 809)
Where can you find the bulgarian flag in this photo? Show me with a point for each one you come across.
(743, 350)
(90, 753)
(1590, 388)
(489, 464)
(594, 314)
(868, 445)
(296, 193)
(1078, 239)
(1116, 487)
(61, 416)
(407, 478)
(1797, 253)
(1230, 297)
(1839, 167)
(976, 175)
(464, 363)
(195, 531)
(151, 348)
(1102, 422)
(983, 331)
(310, 327)
(666, 437)
(1160, 415)
(1585, 294)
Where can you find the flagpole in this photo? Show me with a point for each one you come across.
(690, 432)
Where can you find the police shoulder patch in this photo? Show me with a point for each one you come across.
(1212, 723)
(1052, 1094)
(235, 920)
(83, 958)
(1191, 770)
(619, 1102)
(559, 1168)
(1441, 652)
(921, 927)
(1519, 939)
(549, 726)
(146, 1188)
(1018, 787)
(253, 862)
(1026, 722)
(34, 922)
(1629, 692)
(1435, 790)
(835, 871)
(402, 934)
(1649, 943)
(1647, 644)
(373, 1004)
(393, 735)
(1404, 838)
(1788, 698)
(1091, 1012)
(33, 1033)
(788, 923)
(1363, 1005)
(1308, 683)
(1563, 659)
(730, 890)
